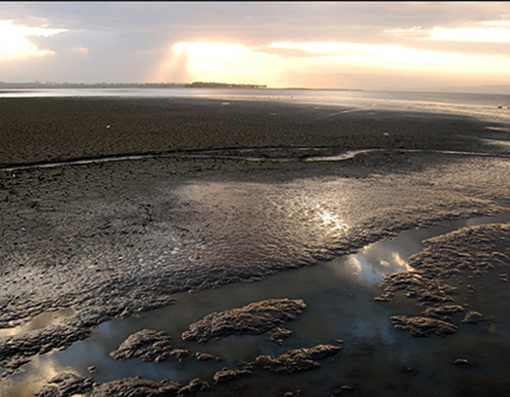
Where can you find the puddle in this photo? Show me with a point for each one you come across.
(340, 305)
(41, 321)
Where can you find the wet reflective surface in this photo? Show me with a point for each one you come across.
(376, 359)
(38, 322)
(482, 104)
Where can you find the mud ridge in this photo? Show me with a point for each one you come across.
(446, 276)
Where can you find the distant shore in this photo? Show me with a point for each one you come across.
(195, 84)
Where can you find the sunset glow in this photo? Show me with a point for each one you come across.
(323, 45)
(236, 63)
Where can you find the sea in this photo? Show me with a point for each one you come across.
(493, 107)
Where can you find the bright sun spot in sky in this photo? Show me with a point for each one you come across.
(221, 62)
(15, 42)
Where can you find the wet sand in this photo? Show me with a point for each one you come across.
(113, 239)
(56, 129)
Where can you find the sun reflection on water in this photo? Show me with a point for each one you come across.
(38, 322)
(371, 264)
(333, 221)
(36, 375)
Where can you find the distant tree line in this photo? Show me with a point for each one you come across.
(203, 84)
(196, 84)
(50, 84)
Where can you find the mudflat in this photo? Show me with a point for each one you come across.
(111, 206)
(55, 129)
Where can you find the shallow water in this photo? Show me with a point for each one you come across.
(492, 106)
(41, 321)
(376, 359)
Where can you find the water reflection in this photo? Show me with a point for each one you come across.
(340, 305)
(41, 321)
(36, 374)
(372, 263)
(332, 221)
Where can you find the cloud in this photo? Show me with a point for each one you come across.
(15, 41)
(136, 41)
(327, 64)
(489, 34)
(256, 23)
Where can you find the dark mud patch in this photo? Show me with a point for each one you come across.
(150, 345)
(423, 326)
(146, 345)
(447, 276)
(296, 360)
(66, 384)
(227, 375)
(147, 388)
(253, 319)
(69, 384)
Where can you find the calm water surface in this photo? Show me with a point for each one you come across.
(495, 107)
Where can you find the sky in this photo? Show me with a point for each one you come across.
(353, 45)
